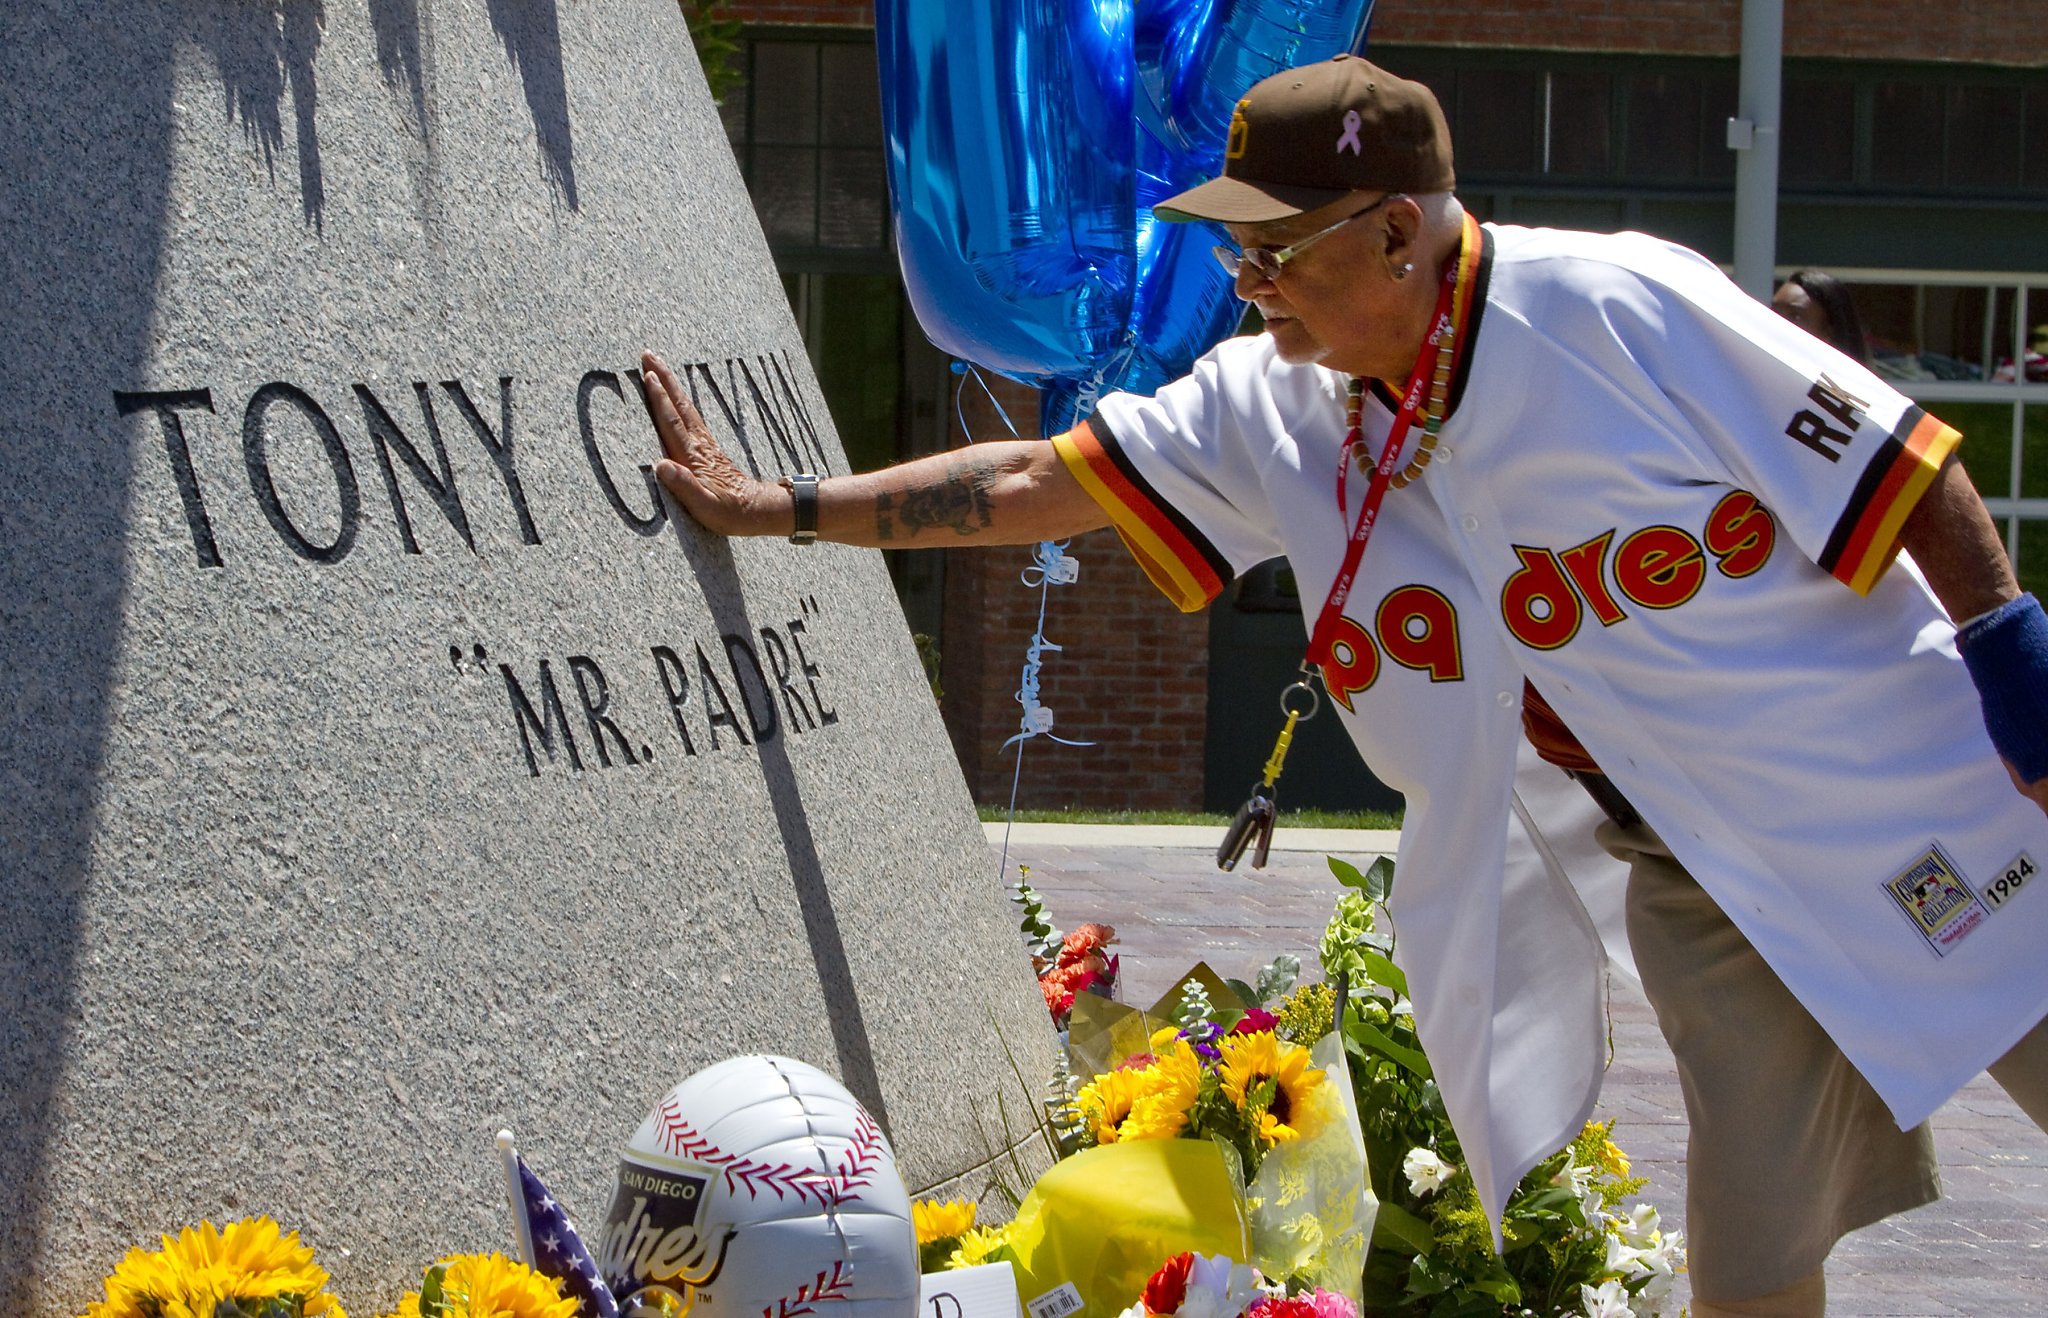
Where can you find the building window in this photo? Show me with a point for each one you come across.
(1973, 350)
(806, 125)
(1554, 118)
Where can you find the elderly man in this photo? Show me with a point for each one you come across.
(1617, 507)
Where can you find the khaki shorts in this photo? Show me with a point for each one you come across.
(1790, 1148)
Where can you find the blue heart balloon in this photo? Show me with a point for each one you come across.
(1197, 58)
(1027, 142)
(1011, 172)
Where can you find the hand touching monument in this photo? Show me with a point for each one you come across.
(1009, 492)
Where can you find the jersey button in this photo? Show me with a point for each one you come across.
(1446, 453)
(1506, 699)
(1471, 522)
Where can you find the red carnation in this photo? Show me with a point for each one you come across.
(1271, 1308)
(1254, 1021)
(1169, 1286)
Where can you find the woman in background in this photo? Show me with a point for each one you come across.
(1819, 303)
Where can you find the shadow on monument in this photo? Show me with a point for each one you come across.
(260, 53)
(396, 24)
(712, 564)
(532, 35)
(85, 160)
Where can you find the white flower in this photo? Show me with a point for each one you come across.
(1219, 1288)
(1609, 1300)
(1641, 1228)
(1578, 1178)
(1621, 1260)
(1425, 1171)
(1660, 1262)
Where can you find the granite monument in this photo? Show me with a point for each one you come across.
(383, 761)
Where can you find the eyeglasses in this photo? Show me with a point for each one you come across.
(1267, 263)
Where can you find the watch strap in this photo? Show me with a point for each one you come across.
(803, 491)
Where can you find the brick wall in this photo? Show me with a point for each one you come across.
(831, 13)
(1975, 31)
(1132, 674)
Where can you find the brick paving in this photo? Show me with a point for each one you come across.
(1982, 1252)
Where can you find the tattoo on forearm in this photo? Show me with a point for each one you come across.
(960, 500)
(884, 528)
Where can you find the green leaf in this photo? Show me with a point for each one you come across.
(1347, 873)
(1276, 977)
(433, 1297)
(1379, 879)
(1374, 1038)
(1395, 1225)
(1552, 1200)
(1502, 1288)
(1245, 991)
(1384, 971)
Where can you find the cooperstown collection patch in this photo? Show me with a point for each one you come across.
(1934, 895)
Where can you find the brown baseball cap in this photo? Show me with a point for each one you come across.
(1305, 137)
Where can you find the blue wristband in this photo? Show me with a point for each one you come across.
(2006, 652)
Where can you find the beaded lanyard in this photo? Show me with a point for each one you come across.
(1434, 367)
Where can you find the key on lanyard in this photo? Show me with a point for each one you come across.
(1253, 825)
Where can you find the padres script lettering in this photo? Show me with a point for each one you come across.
(1544, 602)
(758, 686)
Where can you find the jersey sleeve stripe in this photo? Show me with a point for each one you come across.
(1179, 559)
(1866, 537)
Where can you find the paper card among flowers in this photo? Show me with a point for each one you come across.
(985, 1291)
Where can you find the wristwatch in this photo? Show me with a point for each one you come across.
(803, 491)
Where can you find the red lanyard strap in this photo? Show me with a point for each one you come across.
(1438, 358)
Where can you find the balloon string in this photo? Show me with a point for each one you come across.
(1053, 568)
(964, 370)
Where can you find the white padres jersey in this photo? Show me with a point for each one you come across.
(1672, 512)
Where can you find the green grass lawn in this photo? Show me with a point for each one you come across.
(1288, 818)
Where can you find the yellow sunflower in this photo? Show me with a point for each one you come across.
(941, 1221)
(1272, 1082)
(1105, 1101)
(1153, 1118)
(250, 1262)
(493, 1286)
(976, 1244)
(1166, 1091)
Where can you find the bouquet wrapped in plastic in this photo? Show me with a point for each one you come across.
(1207, 1125)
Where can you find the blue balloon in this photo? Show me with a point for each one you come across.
(1027, 143)
(1011, 168)
(1185, 303)
(1197, 58)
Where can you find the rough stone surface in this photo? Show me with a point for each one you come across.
(304, 897)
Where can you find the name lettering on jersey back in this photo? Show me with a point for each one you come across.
(1545, 602)
(1839, 418)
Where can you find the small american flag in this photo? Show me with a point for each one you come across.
(548, 1239)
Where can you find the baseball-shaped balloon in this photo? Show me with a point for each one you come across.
(760, 1188)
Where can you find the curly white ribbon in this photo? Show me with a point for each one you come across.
(1051, 567)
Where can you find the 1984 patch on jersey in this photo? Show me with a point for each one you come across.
(2008, 884)
(1939, 901)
